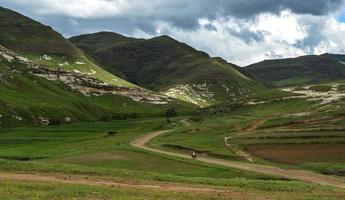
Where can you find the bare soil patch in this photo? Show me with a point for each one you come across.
(299, 153)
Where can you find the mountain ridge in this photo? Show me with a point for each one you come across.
(168, 66)
(300, 70)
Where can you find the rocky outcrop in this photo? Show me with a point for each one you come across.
(83, 83)
(88, 85)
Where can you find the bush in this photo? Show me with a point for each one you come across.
(112, 133)
(119, 116)
(133, 115)
(106, 118)
(55, 121)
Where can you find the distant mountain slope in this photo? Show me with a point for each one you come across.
(168, 66)
(23, 35)
(53, 54)
(300, 70)
(45, 78)
(42, 44)
(32, 95)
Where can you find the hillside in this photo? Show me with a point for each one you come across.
(55, 58)
(167, 66)
(45, 78)
(32, 95)
(300, 70)
(42, 44)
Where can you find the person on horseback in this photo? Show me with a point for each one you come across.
(193, 154)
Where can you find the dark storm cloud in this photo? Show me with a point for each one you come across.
(247, 35)
(210, 27)
(179, 13)
(187, 15)
(228, 28)
(248, 8)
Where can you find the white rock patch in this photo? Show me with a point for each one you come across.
(8, 57)
(46, 57)
(197, 94)
(79, 63)
(324, 97)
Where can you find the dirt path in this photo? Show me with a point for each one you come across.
(255, 125)
(302, 175)
(248, 130)
(238, 151)
(103, 182)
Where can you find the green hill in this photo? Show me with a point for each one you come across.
(300, 70)
(45, 78)
(42, 44)
(168, 66)
(28, 99)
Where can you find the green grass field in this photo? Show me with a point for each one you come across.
(275, 129)
(87, 150)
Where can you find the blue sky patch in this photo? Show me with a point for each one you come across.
(341, 18)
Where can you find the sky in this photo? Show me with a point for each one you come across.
(240, 31)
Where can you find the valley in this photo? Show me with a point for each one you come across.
(106, 116)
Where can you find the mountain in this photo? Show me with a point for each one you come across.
(300, 70)
(42, 44)
(45, 78)
(167, 66)
(29, 98)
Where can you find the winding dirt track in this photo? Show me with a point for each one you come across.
(301, 175)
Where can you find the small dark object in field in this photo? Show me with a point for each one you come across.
(193, 154)
(170, 112)
(111, 133)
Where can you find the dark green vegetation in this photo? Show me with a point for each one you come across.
(24, 35)
(163, 63)
(301, 70)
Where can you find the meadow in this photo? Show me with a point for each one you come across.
(87, 150)
(273, 129)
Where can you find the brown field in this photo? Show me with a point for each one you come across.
(299, 153)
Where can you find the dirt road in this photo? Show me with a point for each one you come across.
(63, 179)
(301, 175)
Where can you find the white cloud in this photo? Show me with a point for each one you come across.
(80, 8)
(239, 31)
(281, 36)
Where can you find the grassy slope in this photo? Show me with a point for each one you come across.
(301, 70)
(24, 98)
(162, 63)
(291, 130)
(33, 40)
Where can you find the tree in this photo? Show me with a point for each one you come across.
(171, 112)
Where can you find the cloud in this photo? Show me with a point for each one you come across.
(241, 31)
(181, 13)
(268, 36)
